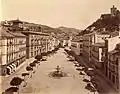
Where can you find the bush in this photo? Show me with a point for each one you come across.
(38, 57)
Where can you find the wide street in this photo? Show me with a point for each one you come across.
(42, 83)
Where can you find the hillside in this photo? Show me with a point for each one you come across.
(110, 22)
(69, 30)
(60, 32)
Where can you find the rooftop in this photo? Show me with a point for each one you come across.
(99, 44)
(113, 52)
(17, 34)
(36, 33)
(113, 34)
(5, 33)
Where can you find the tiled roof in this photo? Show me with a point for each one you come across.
(113, 34)
(5, 33)
(17, 34)
(113, 51)
(37, 33)
(89, 34)
(77, 39)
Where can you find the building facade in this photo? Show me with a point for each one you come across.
(112, 61)
(113, 68)
(96, 55)
(36, 43)
(118, 86)
(110, 45)
(88, 42)
(77, 47)
(13, 47)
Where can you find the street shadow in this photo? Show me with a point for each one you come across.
(91, 88)
(10, 90)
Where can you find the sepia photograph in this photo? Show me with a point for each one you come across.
(59, 46)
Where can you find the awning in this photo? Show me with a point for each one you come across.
(8, 67)
(90, 69)
(88, 78)
(83, 72)
(14, 66)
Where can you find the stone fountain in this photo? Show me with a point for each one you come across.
(58, 73)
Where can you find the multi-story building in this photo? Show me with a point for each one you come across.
(36, 43)
(64, 43)
(97, 50)
(111, 57)
(76, 47)
(13, 47)
(118, 86)
(110, 45)
(19, 47)
(113, 66)
(0, 47)
(88, 42)
(52, 43)
(57, 42)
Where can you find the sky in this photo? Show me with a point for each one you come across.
(70, 13)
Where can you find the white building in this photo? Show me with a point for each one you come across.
(76, 47)
(91, 39)
(112, 55)
(13, 47)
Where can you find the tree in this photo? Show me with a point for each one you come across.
(29, 69)
(44, 54)
(11, 90)
(16, 81)
(36, 62)
(33, 64)
(24, 75)
(38, 57)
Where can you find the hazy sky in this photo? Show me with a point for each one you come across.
(70, 13)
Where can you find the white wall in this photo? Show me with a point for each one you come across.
(75, 49)
(69, 43)
(112, 43)
(119, 71)
(100, 56)
(4, 51)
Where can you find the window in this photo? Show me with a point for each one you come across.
(81, 46)
(117, 61)
(113, 79)
(110, 75)
(31, 54)
(31, 48)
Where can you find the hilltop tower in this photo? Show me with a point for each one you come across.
(113, 11)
